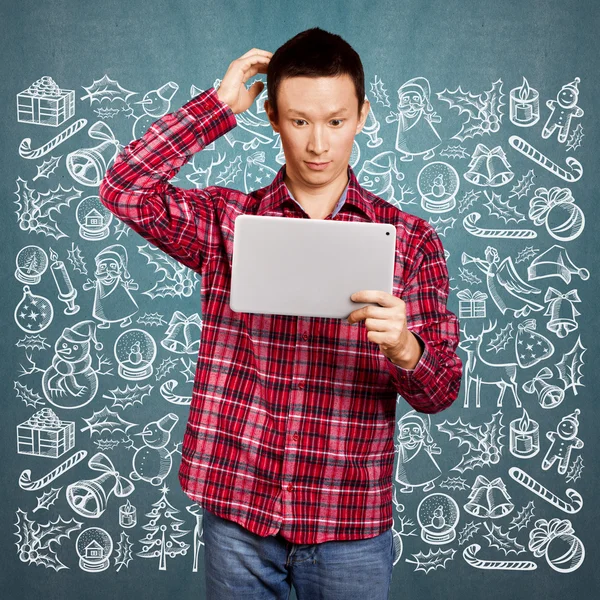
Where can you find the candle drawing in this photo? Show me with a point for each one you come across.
(524, 437)
(524, 105)
(66, 292)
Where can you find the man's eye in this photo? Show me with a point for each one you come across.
(338, 120)
(296, 120)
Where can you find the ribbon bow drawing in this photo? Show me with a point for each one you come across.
(88, 497)
(545, 531)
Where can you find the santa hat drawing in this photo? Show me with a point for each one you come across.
(382, 164)
(421, 86)
(82, 332)
(555, 262)
(423, 421)
(115, 252)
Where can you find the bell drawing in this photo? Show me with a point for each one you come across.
(488, 167)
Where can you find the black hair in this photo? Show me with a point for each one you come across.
(314, 53)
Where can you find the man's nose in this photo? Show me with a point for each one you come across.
(318, 141)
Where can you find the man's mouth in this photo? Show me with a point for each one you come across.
(317, 165)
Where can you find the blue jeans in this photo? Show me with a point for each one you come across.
(240, 565)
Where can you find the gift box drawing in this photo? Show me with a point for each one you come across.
(471, 305)
(44, 103)
(44, 434)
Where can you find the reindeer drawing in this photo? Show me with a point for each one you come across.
(502, 375)
(200, 177)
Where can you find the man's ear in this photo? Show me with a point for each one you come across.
(366, 107)
(269, 111)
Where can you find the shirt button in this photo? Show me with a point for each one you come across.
(290, 487)
(301, 385)
(305, 336)
(295, 436)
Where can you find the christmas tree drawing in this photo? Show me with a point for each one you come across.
(163, 532)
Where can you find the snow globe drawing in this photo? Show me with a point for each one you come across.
(438, 516)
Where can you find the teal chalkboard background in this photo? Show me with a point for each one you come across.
(145, 45)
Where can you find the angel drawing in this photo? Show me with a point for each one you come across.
(504, 283)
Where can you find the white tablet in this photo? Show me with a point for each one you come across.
(308, 267)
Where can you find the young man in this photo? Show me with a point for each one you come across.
(289, 442)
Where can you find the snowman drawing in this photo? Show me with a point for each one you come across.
(152, 462)
(155, 103)
(71, 381)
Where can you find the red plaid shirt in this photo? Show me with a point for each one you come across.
(292, 419)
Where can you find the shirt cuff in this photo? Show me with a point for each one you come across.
(423, 372)
(215, 116)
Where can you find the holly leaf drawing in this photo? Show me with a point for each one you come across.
(454, 483)
(523, 517)
(123, 557)
(165, 367)
(493, 432)
(228, 174)
(104, 445)
(47, 499)
(502, 210)
(471, 460)
(474, 126)
(36, 210)
(454, 152)
(465, 433)
(469, 277)
(106, 89)
(54, 531)
(128, 396)
(442, 225)
(160, 260)
(76, 259)
(379, 92)
(501, 339)
(576, 137)
(152, 319)
(34, 539)
(467, 102)
(432, 560)
(523, 185)
(106, 420)
(483, 441)
(493, 102)
(178, 280)
(484, 111)
(498, 539)
(28, 396)
(467, 532)
(575, 470)
(569, 367)
(47, 167)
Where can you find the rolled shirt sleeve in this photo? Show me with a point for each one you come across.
(434, 383)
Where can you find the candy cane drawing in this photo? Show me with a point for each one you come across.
(513, 565)
(537, 488)
(525, 148)
(25, 150)
(26, 483)
(472, 218)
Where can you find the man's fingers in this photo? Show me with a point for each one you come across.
(256, 51)
(252, 70)
(253, 65)
(255, 89)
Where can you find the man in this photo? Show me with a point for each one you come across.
(289, 442)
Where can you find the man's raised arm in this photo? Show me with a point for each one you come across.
(136, 187)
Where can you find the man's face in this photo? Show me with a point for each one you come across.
(318, 119)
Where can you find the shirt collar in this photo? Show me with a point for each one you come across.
(277, 193)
